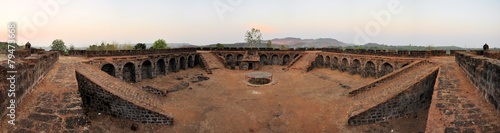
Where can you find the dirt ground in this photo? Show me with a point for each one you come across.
(298, 102)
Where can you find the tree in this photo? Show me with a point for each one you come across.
(219, 46)
(253, 37)
(140, 46)
(269, 44)
(93, 47)
(58, 45)
(283, 47)
(71, 47)
(159, 44)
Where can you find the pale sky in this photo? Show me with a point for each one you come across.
(463, 23)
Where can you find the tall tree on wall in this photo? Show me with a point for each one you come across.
(269, 44)
(58, 45)
(140, 46)
(159, 44)
(253, 37)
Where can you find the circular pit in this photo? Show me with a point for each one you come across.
(259, 78)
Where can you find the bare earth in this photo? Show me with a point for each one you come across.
(298, 102)
(303, 102)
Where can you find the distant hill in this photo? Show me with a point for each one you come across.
(317, 43)
(291, 42)
(402, 47)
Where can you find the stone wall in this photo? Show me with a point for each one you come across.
(237, 58)
(96, 98)
(30, 71)
(492, 54)
(136, 68)
(399, 53)
(385, 78)
(484, 73)
(104, 53)
(415, 98)
(365, 65)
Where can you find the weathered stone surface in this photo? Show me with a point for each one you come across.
(117, 98)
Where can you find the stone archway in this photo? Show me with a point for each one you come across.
(172, 65)
(239, 57)
(197, 60)
(286, 59)
(229, 57)
(370, 70)
(319, 61)
(355, 65)
(109, 68)
(160, 67)
(182, 62)
(129, 73)
(327, 62)
(147, 70)
(275, 60)
(263, 59)
(335, 63)
(344, 65)
(385, 69)
(190, 62)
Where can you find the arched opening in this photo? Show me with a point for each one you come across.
(239, 58)
(319, 61)
(335, 63)
(344, 65)
(129, 73)
(147, 70)
(276, 60)
(182, 62)
(385, 69)
(355, 66)
(172, 64)
(197, 60)
(160, 67)
(286, 59)
(190, 62)
(263, 59)
(327, 61)
(369, 70)
(229, 57)
(109, 68)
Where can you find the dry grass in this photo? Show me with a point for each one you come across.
(3, 57)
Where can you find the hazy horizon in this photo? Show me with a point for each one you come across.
(462, 23)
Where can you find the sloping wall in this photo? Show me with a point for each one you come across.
(484, 73)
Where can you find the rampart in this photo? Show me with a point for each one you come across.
(484, 73)
(416, 97)
(29, 72)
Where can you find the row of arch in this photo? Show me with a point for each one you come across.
(364, 67)
(235, 59)
(275, 59)
(148, 69)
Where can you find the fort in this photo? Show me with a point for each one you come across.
(254, 90)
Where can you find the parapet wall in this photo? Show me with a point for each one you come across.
(30, 71)
(484, 73)
(103, 53)
(415, 98)
(400, 53)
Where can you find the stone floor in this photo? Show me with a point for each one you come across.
(457, 105)
(53, 105)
